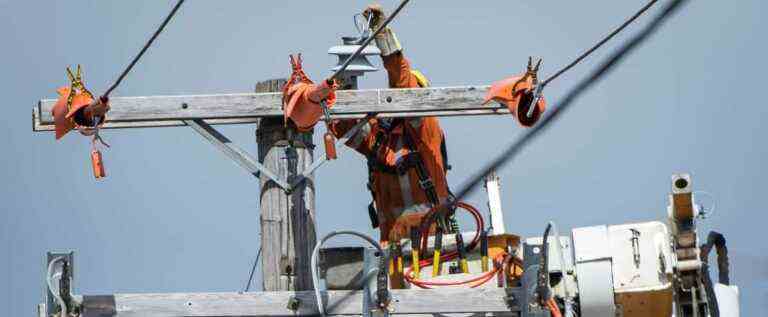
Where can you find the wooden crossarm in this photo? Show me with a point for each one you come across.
(406, 302)
(162, 111)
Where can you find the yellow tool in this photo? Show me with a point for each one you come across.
(436, 265)
(462, 254)
(399, 258)
(392, 260)
(484, 250)
(76, 84)
(415, 258)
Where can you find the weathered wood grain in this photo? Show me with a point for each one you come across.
(287, 218)
(159, 111)
(405, 302)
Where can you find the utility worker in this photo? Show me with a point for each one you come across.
(406, 156)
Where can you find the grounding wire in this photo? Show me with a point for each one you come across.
(253, 269)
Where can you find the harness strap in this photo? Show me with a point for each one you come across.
(412, 160)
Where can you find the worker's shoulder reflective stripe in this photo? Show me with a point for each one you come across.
(416, 208)
(412, 209)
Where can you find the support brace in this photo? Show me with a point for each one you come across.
(316, 164)
(234, 152)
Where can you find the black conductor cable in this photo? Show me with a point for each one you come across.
(540, 88)
(585, 84)
(143, 49)
(253, 269)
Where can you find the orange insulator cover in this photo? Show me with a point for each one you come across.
(517, 94)
(63, 115)
(303, 103)
(302, 97)
(98, 164)
(330, 146)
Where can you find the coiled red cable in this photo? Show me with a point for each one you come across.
(430, 218)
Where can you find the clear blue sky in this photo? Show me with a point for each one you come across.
(175, 216)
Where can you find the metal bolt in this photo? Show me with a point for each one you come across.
(184, 105)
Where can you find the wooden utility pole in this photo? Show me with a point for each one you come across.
(288, 223)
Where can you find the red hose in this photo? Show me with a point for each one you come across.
(484, 277)
(426, 223)
(429, 218)
(478, 280)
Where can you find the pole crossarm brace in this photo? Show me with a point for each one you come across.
(234, 152)
(315, 165)
(163, 111)
(404, 302)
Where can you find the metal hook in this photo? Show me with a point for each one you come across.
(537, 88)
(363, 30)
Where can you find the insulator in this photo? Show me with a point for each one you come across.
(358, 66)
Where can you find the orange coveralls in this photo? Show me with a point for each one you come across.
(399, 197)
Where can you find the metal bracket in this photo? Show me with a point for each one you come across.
(65, 283)
(234, 152)
(529, 305)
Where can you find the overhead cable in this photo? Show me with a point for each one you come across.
(540, 88)
(599, 44)
(584, 85)
(144, 49)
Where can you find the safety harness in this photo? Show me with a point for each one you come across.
(411, 160)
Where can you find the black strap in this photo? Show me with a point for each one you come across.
(412, 160)
(717, 240)
(444, 152)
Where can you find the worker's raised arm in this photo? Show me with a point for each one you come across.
(398, 68)
(399, 71)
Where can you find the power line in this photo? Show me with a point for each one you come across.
(599, 44)
(540, 88)
(144, 49)
(606, 66)
(253, 269)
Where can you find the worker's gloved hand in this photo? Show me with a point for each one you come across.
(378, 15)
(386, 40)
